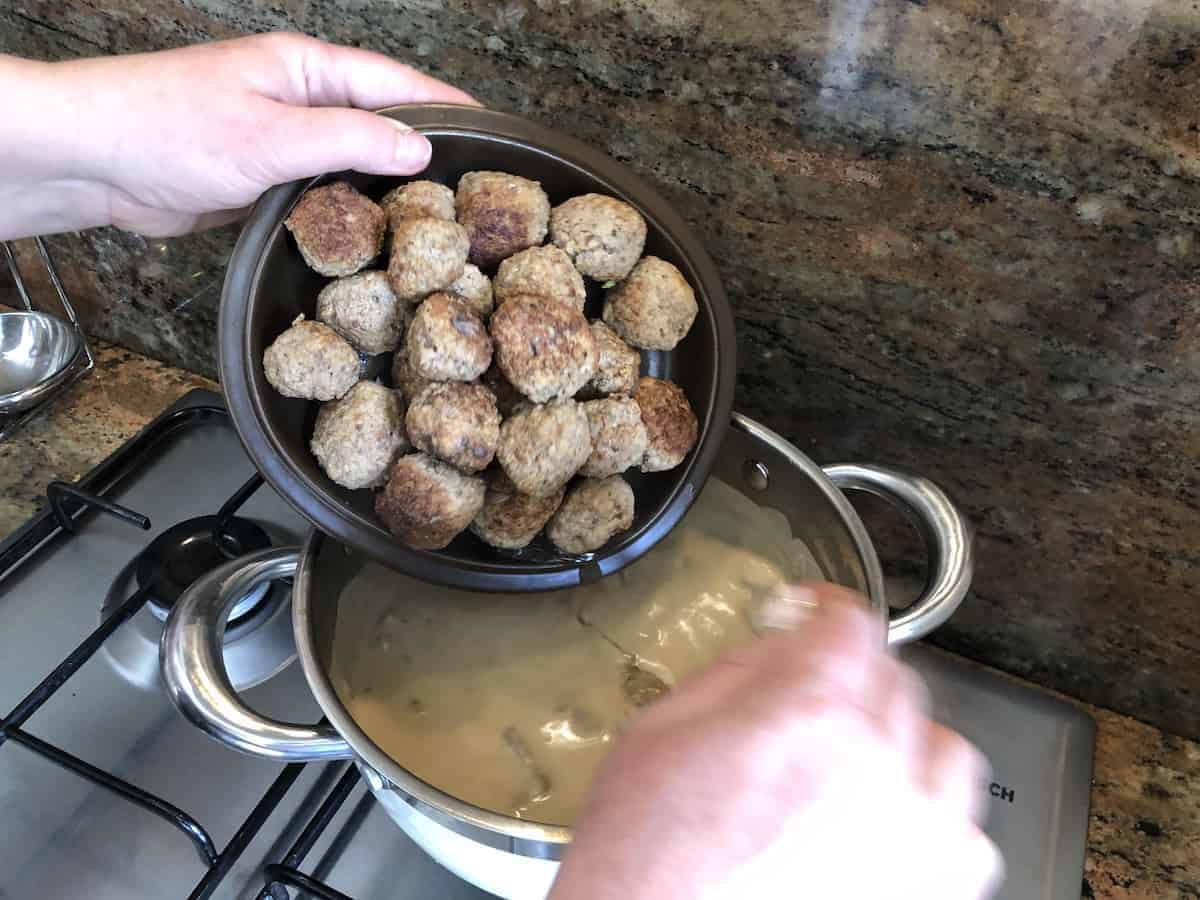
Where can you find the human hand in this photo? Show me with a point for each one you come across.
(165, 143)
(803, 765)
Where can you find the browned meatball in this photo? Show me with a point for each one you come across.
(427, 255)
(311, 361)
(602, 235)
(363, 310)
(642, 687)
(337, 229)
(446, 341)
(618, 436)
(418, 200)
(405, 378)
(508, 398)
(509, 519)
(671, 426)
(502, 213)
(617, 364)
(542, 447)
(357, 438)
(475, 289)
(458, 423)
(594, 511)
(545, 349)
(544, 271)
(654, 307)
(427, 503)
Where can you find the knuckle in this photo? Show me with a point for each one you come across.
(987, 863)
(978, 765)
(853, 623)
(913, 684)
(287, 49)
(960, 754)
(806, 722)
(837, 670)
(280, 42)
(907, 688)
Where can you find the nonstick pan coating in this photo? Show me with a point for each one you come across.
(267, 285)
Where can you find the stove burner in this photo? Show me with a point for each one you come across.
(258, 636)
(184, 552)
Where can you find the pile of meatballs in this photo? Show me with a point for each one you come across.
(508, 412)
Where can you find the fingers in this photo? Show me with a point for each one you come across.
(980, 868)
(830, 655)
(766, 663)
(786, 609)
(704, 692)
(835, 651)
(304, 142)
(991, 868)
(953, 773)
(322, 74)
(900, 705)
(833, 660)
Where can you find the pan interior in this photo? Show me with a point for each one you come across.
(283, 287)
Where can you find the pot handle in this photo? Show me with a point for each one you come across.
(945, 531)
(193, 667)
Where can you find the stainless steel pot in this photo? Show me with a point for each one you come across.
(512, 857)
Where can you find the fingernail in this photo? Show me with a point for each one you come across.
(412, 147)
(786, 608)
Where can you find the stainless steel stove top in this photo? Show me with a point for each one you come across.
(107, 792)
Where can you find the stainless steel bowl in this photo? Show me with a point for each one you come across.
(37, 352)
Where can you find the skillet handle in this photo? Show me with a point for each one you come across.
(945, 531)
(193, 668)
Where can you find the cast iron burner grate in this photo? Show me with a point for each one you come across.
(161, 573)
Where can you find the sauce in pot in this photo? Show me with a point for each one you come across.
(510, 702)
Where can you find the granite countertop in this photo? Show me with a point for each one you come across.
(82, 427)
(1144, 837)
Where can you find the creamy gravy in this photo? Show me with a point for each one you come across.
(511, 701)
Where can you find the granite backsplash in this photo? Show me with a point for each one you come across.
(960, 237)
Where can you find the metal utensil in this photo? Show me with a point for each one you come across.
(39, 353)
(36, 353)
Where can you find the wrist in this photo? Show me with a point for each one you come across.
(50, 180)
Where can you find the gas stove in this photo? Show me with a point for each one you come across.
(107, 792)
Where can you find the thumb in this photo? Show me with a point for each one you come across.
(311, 141)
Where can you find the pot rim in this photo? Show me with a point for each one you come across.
(445, 806)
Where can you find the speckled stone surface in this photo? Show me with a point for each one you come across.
(1144, 835)
(960, 237)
